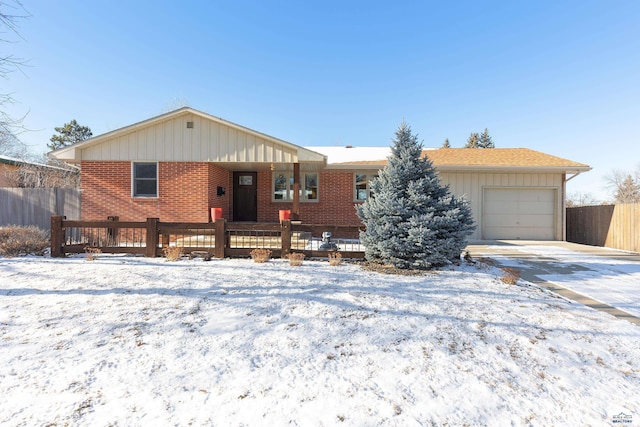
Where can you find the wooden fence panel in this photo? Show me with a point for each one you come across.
(219, 239)
(35, 206)
(612, 226)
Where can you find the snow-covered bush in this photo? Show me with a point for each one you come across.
(335, 258)
(92, 253)
(16, 240)
(260, 255)
(510, 276)
(295, 258)
(411, 220)
(173, 253)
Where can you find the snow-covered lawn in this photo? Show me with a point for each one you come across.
(134, 341)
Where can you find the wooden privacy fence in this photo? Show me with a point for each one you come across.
(220, 238)
(34, 206)
(612, 226)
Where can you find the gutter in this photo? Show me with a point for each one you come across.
(573, 176)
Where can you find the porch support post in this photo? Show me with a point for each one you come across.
(295, 212)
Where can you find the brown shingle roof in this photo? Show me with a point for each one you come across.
(488, 157)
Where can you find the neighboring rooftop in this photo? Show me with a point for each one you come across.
(18, 162)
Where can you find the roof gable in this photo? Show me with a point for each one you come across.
(187, 135)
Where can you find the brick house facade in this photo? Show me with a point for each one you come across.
(187, 191)
(180, 165)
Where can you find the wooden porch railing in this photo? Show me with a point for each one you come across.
(220, 238)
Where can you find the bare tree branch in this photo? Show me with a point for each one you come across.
(11, 12)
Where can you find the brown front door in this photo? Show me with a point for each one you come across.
(245, 196)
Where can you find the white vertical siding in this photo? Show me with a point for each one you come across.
(208, 140)
(472, 185)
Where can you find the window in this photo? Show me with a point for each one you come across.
(310, 188)
(362, 190)
(283, 186)
(145, 179)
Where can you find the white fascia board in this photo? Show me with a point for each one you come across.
(518, 169)
(499, 169)
(356, 167)
(70, 154)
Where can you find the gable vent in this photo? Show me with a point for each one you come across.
(189, 125)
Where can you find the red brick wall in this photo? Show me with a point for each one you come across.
(187, 191)
(335, 203)
(219, 177)
(183, 193)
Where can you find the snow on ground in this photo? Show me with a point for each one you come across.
(608, 280)
(131, 341)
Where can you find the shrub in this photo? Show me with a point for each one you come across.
(92, 253)
(510, 276)
(260, 255)
(16, 240)
(295, 258)
(413, 222)
(172, 253)
(335, 258)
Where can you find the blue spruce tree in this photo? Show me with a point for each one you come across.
(411, 220)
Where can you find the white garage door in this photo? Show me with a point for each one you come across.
(518, 213)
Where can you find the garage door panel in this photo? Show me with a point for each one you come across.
(516, 233)
(519, 213)
(536, 208)
(520, 195)
(521, 208)
(518, 221)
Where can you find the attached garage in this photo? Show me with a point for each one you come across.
(514, 193)
(519, 213)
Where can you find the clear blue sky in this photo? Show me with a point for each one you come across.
(562, 77)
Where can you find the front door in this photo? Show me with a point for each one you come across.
(245, 196)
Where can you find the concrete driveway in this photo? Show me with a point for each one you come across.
(600, 278)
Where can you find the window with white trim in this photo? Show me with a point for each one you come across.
(283, 186)
(362, 191)
(144, 180)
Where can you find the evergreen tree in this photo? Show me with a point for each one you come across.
(473, 141)
(485, 140)
(411, 220)
(70, 133)
(446, 144)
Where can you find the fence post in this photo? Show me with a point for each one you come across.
(220, 232)
(57, 236)
(112, 232)
(286, 238)
(152, 237)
